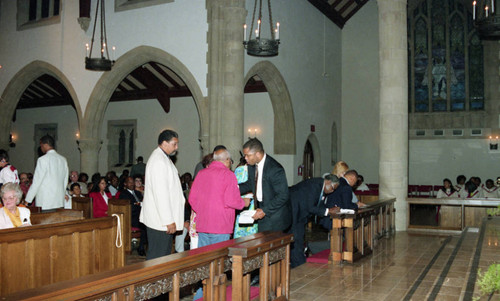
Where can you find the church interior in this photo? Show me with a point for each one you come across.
(405, 91)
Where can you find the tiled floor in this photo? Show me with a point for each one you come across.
(403, 267)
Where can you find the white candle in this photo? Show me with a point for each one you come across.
(258, 26)
(474, 10)
(256, 33)
(486, 9)
(278, 31)
(245, 32)
(114, 48)
(87, 49)
(492, 6)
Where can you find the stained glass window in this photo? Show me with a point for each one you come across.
(445, 58)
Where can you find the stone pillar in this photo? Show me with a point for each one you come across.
(491, 84)
(225, 73)
(393, 147)
(89, 155)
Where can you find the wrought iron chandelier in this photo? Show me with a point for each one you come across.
(260, 46)
(485, 19)
(102, 63)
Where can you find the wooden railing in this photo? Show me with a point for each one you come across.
(38, 255)
(167, 274)
(355, 235)
(271, 255)
(451, 215)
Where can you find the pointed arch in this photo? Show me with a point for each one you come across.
(15, 88)
(284, 122)
(98, 101)
(316, 153)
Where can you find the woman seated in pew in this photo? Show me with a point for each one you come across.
(448, 191)
(11, 215)
(100, 196)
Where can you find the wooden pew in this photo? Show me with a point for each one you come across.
(354, 236)
(146, 280)
(123, 207)
(271, 255)
(84, 204)
(59, 216)
(38, 255)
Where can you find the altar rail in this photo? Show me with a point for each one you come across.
(34, 256)
(451, 215)
(146, 280)
(355, 235)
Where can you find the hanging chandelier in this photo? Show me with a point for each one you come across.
(260, 46)
(102, 63)
(485, 19)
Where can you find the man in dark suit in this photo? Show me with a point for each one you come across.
(135, 199)
(341, 198)
(307, 198)
(270, 190)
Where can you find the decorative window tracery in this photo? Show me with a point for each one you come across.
(445, 58)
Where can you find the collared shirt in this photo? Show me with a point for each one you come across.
(260, 170)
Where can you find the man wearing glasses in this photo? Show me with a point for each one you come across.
(308, 198)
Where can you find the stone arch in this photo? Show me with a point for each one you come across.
(316, 153)
(16, 87)
(284, 122)
(98, 101)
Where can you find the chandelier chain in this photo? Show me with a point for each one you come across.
(253, 18)
(270, 18)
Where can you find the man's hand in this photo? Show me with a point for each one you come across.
(171, 229)
(66, 197)
(333, 210)
(186, 225)
(259, 214)
(247, 201)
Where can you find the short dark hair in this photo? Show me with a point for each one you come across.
(352, 172)
(219, 147)
(167, 135)
(254, 144)
(461, 178)
(73, 186)
(47, 139)
(140, 159)
(4, 155)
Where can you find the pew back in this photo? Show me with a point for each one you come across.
(31, 257)
(146, 280)
(84, 204)
(123, 207)
(60, 216)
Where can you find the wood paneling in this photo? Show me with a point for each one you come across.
(35, 256)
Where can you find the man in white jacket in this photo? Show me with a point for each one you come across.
(163, 204)
(50, 179)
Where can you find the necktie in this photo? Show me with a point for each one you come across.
(256, 202)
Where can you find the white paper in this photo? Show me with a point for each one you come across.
(347, 211)
(246, 217)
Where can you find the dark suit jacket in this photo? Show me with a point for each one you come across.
(342, 198)
(276, 204)
(135, 209)
(304, 197)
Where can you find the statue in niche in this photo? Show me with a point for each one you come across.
(439, 79)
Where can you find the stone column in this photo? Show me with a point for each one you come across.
(89, 155)
(393, 147)
(225, 73)
(491, 83)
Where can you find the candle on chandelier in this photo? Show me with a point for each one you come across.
(244, 32)
(474, 10)
(492, 6)
(486, 10)
(87, 49)
(256, 33)
(278, 31)
(258, 26)
(113, 48)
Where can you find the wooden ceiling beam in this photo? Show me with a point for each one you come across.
(157, 87)
(329, 12)
(164, 74)
(346, 6)
(356, 9)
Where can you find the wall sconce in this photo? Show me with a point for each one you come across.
(12, 139)
(254, 131)
(493, 143)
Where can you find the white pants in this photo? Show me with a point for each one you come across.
(179, 241)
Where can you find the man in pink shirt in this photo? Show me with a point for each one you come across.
(214, 197)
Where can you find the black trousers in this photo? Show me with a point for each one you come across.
(159, 243)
